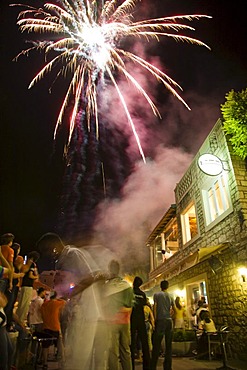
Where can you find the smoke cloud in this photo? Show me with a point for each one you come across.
(123, 225)
(169, 144)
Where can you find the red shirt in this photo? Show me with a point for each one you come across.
(8, 253)
(50, 311)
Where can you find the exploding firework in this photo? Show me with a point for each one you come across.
(84, 41)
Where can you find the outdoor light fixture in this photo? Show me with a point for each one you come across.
(215, 263)
(243, 273)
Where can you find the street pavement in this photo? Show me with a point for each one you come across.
(186, 363)
(190, 363)
(181, 363)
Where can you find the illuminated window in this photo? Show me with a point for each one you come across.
(216, 199)
(171, 238)
(189, 223)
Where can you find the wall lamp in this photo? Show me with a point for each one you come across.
(243, 273)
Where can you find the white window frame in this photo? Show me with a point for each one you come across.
(158, 251)
(218, 205)
(186, 232)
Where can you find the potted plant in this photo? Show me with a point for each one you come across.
(183, 342)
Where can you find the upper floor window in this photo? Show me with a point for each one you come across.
(166, 243)
(215, 199)
(158, 250)
(189, 223)
(171, 238)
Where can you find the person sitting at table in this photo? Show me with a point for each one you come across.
(207, 323)
(206, 326)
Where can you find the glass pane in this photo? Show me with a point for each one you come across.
(212, 205)
(158, 250)
(219, 198)
(224, 193)
(189, 224)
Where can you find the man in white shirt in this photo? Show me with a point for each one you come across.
(34, 316)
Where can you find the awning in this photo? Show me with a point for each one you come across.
(189, 261)
(206, 252)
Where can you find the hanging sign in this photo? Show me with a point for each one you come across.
(210, 164)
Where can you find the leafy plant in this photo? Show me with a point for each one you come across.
(180, 335)
(234, 112)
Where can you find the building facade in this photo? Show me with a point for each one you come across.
(200, 244)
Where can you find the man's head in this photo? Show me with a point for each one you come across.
(34, 256)
(50, 244)
(164, 285)
(16, 248)
(53, 294)
(114, 268)
(200, 303)
(41, 292)
(7, 239)
(205, 315)
(137, 282)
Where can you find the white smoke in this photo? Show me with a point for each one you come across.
(124, 224)
(171, 141)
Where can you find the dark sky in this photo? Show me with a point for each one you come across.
(30, 177)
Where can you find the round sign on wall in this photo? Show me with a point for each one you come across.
(210, 164)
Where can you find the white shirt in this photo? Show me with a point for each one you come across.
(35, 312)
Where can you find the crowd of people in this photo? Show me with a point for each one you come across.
(103, 324)
(16, 290)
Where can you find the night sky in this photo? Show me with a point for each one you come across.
(32, 164)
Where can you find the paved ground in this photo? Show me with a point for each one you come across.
(182, 363)
(189, 363)
(186, 363)
(178, 363)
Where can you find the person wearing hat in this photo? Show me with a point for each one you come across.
(34, 315)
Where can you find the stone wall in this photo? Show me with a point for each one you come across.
(227, 296)
(229, 229)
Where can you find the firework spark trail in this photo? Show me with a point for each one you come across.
(90, 32)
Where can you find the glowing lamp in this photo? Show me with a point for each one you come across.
(243, 273)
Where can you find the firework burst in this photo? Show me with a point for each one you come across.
(83, 41)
